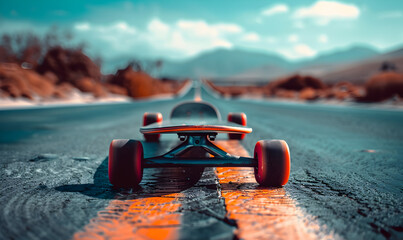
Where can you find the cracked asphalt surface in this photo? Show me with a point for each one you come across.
(346, 177)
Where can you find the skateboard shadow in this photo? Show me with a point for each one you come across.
(156, 182)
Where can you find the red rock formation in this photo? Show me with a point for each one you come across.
(383, 86)
(345, 90)
(19, 82)
(74, 67)
(115, 89)
(63, 69)
(89, 85)
(297, 83)
(138, 84)
(237, 91)
(63, 90)
(380, 87)
(308, 94)
(69, 65)
(281, 93)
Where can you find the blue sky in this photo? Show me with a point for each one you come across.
(182, 29)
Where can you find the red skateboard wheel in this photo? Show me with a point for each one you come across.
(125, 163)
(239, 118)
(150, 118)
(274, 162)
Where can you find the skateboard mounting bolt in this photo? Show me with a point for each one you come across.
(212, 137)
(182, 137)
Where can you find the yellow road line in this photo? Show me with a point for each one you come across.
(148, 216)
(261, 213)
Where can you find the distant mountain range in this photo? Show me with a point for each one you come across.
(222, 63)
(241, 65)
(351, 54)
(358, 71)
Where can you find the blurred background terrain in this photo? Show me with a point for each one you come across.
(310, 50)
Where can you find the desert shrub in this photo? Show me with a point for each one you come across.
(384, 86)
(297, 83)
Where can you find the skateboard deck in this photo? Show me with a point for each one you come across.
(196, 123)
(194, 127)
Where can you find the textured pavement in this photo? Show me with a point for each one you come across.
(346, 176)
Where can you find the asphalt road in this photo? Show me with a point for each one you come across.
(346, 173)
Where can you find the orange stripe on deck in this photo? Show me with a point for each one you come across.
(195, 128)
(261, 213)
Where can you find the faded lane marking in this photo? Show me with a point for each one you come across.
(261, 213)
(149, 218)
(151, 213)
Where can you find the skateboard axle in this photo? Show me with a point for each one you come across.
(206, 162)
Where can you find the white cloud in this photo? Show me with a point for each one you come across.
(114, 28)
(179, 39)
(286, 52)
(108, 40)
(391, 14)
(116, 37)
(299, 51)
(124, 27)
(323, 38)
(189, 37)
(304, 50)
(228, 28)
(293, 38)
(251, 37)
(276, 9)
(221, 43)
(201, 28)
(157, 27)
(325, 11)
(82, 26)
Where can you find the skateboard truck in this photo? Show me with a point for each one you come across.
(220, 158)
(211, 136)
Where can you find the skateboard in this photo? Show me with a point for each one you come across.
(197, 124)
